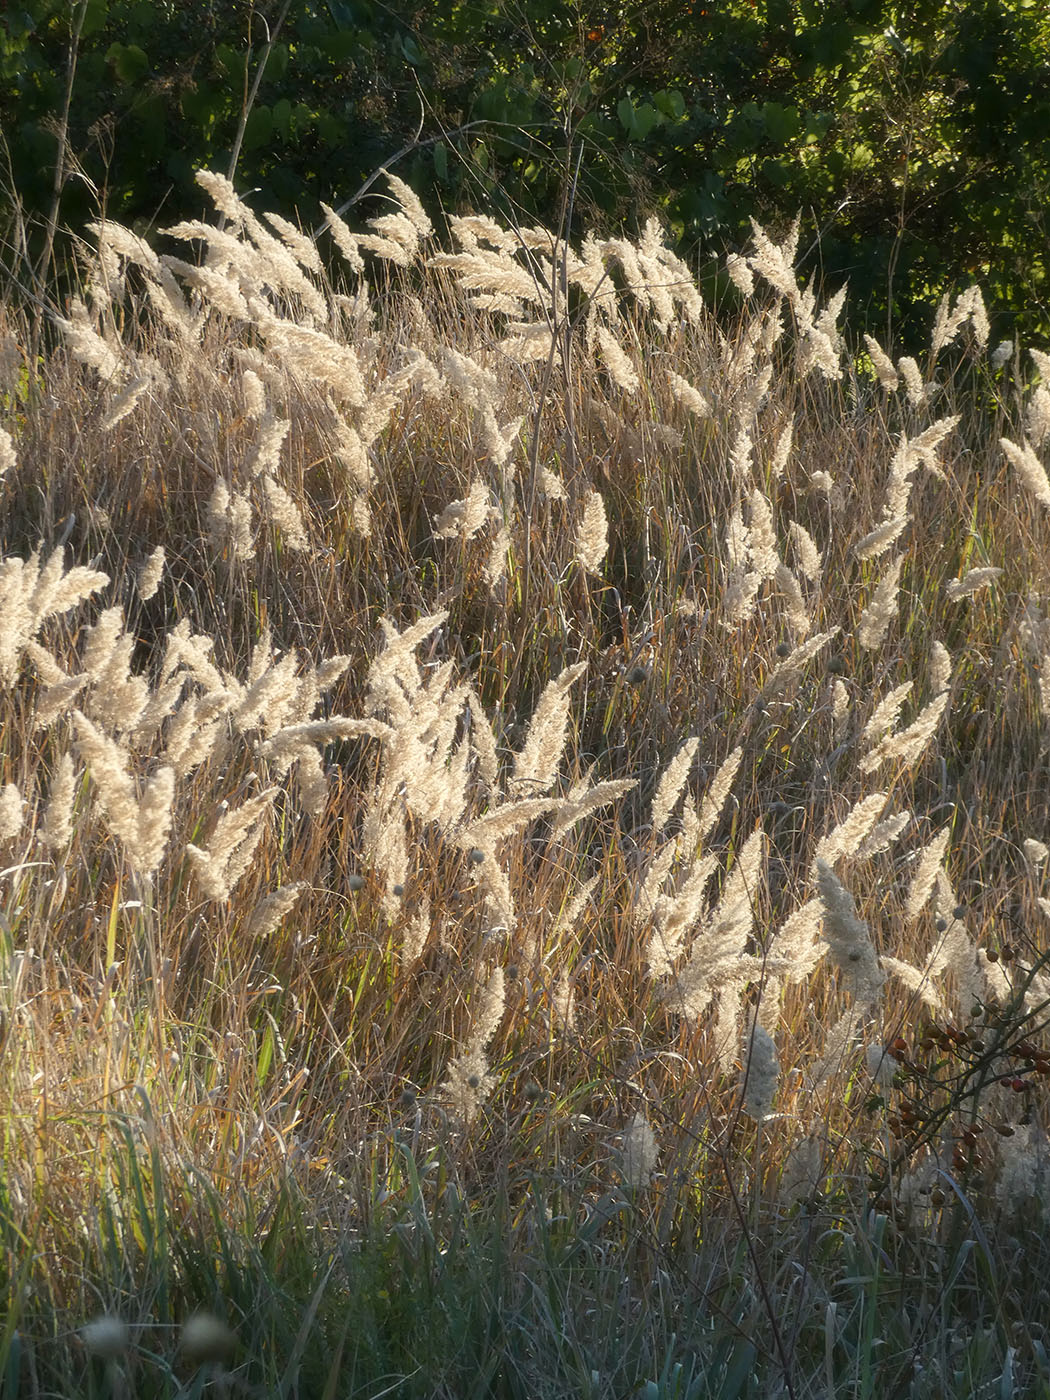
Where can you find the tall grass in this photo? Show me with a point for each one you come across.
(524, 827)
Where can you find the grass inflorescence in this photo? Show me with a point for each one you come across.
(523, 827)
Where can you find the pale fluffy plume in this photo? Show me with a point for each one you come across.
(807, 555)
(931, 859)
(716, 794)
(30, 593)
(687, 396)
(877, 541)
(672, 781)
(11, 812)
(232, 845)
(619, 366)
(465, 518)
(1029, 469)
(57, 829)
(269, 912)
(536, 766)
(845, 838)
(939, 668)
(880, 612)
(8, 457)
(718, 963)
(790, 668)
(883, 365)
(592, 537)
(850, 948)
(141, 823)
(761, 1071)
(641, 1153)
(884, 716)
(582, 802)
(284, 514)
(913, 383)
(150, 574)
(971, 582)
(907, 745)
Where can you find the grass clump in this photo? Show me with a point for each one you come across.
(523, 825)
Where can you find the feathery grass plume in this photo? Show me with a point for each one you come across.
(762, 540)
(883, 365)
(913, 382)
(676, 914)
(882, 609)
(740, 274)
(971, 582)
(284, 514)
(782, 450)
(841, 710)
(882, 836)
(268, 913)
(11, 812)
(231, 847)
(8, 456)
(141, 823)
(62, 690)
(264, 459)
(592, 534)
(850, 948)
(931, 858)
(795, 611)
(792, 665)
(672, 781)
(621, 371)
(551, 485)
(1036, 852)
(718, 966)
(761, 1071)
(776, 263)
(876, 542)
(150, 574)
(123, 405)
(496, 563)
(343, 239)
(751, 397)
(253, 393)
(717, 792)
(1029, 469)
(803, 1172)
(302, 249)
(584, 799)
(845, 839)
(1037, 417)
(796, 948)
(807, 556)
(917, 981)
(88, 345)
(536, 766)
(885, 714)
(57, 827)
(688, 396)
(468, 1085)
(464, 518)
(491, 1005)
(469, 1082)
(415, 934)
(641, 1153)
(907, 744)
(229, 519)
(30, 594)
(939, 668)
